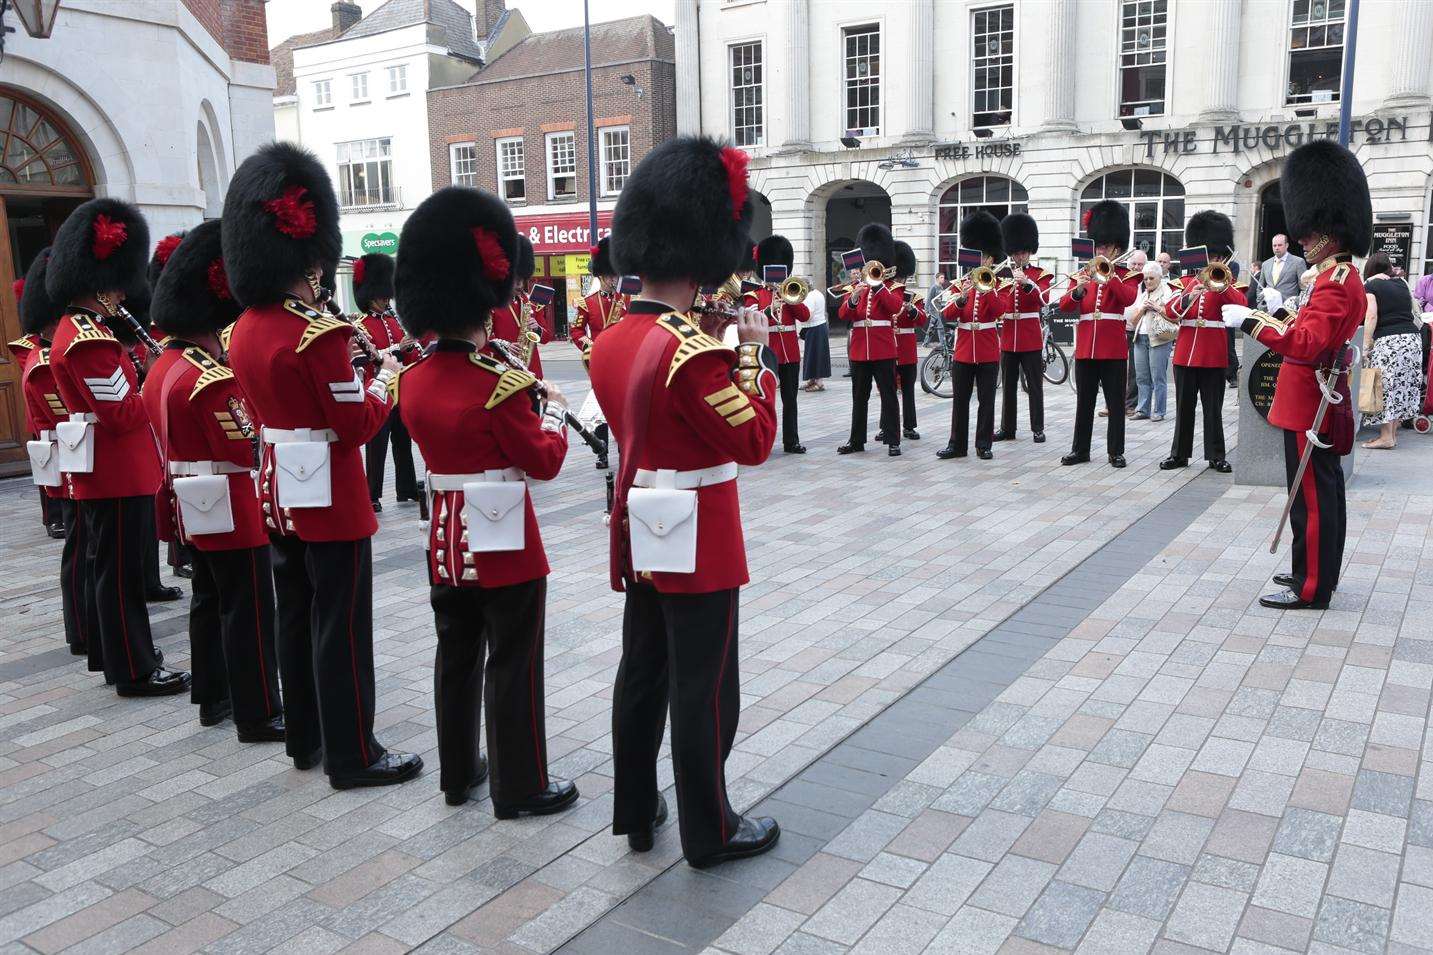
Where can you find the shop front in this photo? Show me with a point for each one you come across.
(562, 244)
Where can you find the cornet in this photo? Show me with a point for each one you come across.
(874, 273)
(1100, 269)
(1216, 276)
(794, 290)
(982, 278)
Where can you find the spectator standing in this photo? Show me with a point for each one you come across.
(1391, 344)
(816, 336)
(1166, 265)
(1153, 341)
(1281, 270)
(1137, 262)
(935, 330)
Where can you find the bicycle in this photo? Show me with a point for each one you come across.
(935, 367)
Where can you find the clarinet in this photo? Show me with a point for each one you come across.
(505, 352)
(140, 332)
(371, 355)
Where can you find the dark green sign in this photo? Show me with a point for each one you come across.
(386, 242)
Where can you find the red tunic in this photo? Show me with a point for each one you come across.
(21, 349)
(1335, 309)
(1203, 341)
(1021, 330)
(697, 419)
(872, 313)
(293, 365)
(976, 325)
(1100, 330)
(469, 413)
(210, 421)
(95, 375)
(597, 313)
(507, 325)
(43, 407)
(785, 340)
(913, 316)
(164, 506)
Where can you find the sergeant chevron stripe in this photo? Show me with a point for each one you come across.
(113, 388)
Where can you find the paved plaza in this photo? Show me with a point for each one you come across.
(996, 706)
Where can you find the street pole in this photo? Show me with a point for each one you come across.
(592, 131)
(1345, 95)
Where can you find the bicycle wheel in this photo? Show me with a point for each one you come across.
(1057, 366)
(935, 374)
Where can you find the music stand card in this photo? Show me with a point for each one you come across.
(541, 295)
(853, 259)
(1082, 249)
(774, 274)
(1192, 259)
(967, 259)
(630, 285)
(747, 286)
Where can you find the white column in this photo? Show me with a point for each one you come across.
(921, 71)
(1059, 30)
(1412, 50)
(1220, 62)
(689, 66)
(795, 73)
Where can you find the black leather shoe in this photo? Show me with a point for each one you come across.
(1073, 458)
(458, 797)
(984, 454)
(850, 448)
(387, 770)
(163, 595)
(912, 434)
(642, 841)
(212, 714)
(1284, 580)
(559, 794)
(377, 506)
(267, 731)
(1172, 463)
(309, 761)
(161, 682)
(1222, 466)
(184, 570)
(1288, 600)
(894, 450)
(601, 464)
(57, 531)
(1003, 436)
(949, 451)
(1039, 437)
(880, 437)
(754, 836)
(1117, 460)
(795, 449)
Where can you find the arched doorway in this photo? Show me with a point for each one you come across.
(1155, 200)
(847, 208)
(44, 175)
(760, 216)
(1271, 223)
(997, 195)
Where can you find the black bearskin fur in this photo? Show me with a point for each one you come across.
(74, 268)
(877, 244)
(981, 230)
(905, 260)
(602, 262)
(1213, 230)
(377, 281)
(185, 301)
(1108, 224)
(1019, 233)
(775, 250)
(526, 258)
(37, 310)
(1325, 192)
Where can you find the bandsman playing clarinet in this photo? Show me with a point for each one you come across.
(1022, 334)
(483, 432)
(782, 317)
(872, 308)
(1329, 212)
(1201, 352)
(973, 315)
(373, 295)
(179, 556)
(912, 317)
(208, 440)
(686, 410)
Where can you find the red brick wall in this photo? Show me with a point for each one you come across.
(238, 25)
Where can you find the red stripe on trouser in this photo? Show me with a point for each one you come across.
(259, 633)
(80, 621)
(353, 663)
(533, 703)
(716, 730)
(119, 565)
(1308, 487)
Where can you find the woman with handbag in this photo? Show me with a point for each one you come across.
(1153, 341)
(1393, 353)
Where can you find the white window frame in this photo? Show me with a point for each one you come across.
(552, 175)
(976, 66)
(520, 177)
(322, 94)
(397, 72)
(353, 82)
(469, 178)
(1163, 48)
(759, 128)
(608, 163)
(1289, 100)
(950, 267)
(862, 27)
(381, 163)
(1082, 202)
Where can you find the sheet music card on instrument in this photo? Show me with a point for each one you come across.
(541, 295)
(854, 259)
(1193, 258)
(629, 285)
(774, 274)
(1082, 249)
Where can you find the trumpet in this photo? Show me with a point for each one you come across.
(840, 291)
(1216, 276)
(1101, 269)
(794, 290)
(874, 273)
(982, 278)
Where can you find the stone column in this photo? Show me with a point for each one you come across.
(796, 88)
(1059, 29)
(1219, 67)
(921, 71)
(1412, 50)
(689, 80)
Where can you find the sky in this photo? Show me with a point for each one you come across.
(287, 17)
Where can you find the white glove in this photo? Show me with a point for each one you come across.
(1234, 315)
(1272, 299)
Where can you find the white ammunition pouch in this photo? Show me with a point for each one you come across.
(76, 439)
(44, 459)
(204, 504)
(662, 517)
(302, 476)
(493, 508)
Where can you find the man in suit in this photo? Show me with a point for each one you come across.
(1281, 270)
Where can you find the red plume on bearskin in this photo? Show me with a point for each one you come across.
(166, 248)
(495, 264)
(109, 235)
(294, 215)
(735, 161)
(103, 246)
(1085, 219)
(192, 297)
(218, 280)
(360, 268)
(18, 287)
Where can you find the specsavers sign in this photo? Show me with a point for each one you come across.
(363, 243)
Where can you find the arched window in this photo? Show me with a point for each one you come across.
(34, 150)
(1155, 201)
(996, 195)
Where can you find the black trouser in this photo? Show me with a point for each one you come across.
(1205, 386)
(76, 597)
(1231, 373)
(966, 377)
(1093, 375)
(883, 372)
(788, 376)
(49, 509)
(603, 434)
(231, 632)
(1012, 363)
(151, 550)
(324, 593)
(505, 625)
(906, 375)
(405, 484)
(1131, 384)
(180, 555)
(682, 649)
(118, 533)
(1319, 518)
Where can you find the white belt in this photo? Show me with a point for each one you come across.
(976, 326)
(783, 328)
(1101, 318)
(88, 417)
(905, 331)
(1198, 323)
(46, 436)
(870, 323)
(455, 482)
(1023, 315)
(686, 480)
(284, 436)
(197, 468)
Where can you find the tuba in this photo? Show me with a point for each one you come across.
(794, 290)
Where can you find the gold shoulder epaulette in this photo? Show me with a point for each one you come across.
(21, 345)
(42, 359)
(226, 333)
(210, 371)
(393, 385)
(692, 341)
(89, 331)
(318, 323)
(1341, 272)
(510, 383)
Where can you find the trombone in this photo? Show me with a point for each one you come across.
(1101, 269)
(1216, 276)
(794, 290)
(874, 273)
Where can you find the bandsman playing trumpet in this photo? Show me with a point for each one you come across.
(783, 304)
(1022, 335)
(872, 308)
(912, 317)
(1201, 352)
(974, 314)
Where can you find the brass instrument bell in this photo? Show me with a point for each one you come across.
(874, 273)
(794, 290)
(1216, 276)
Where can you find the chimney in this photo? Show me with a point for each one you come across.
(488, 14)
(345, 15)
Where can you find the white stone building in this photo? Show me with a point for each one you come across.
(1049, 105)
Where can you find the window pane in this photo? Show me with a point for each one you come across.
(862, 79)
(746, 94)
(990, 193)
(1118, 184)
(992, 66)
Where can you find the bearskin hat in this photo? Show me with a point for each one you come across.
(280, 220)
(162, 251)
(102, 246)
(877, 244)
(981, 230)
(1107, 223)
(372, 278)
(457, 261)
(601, 256)
(1213, 230)
(775, 250)
(193, 296)
(684, 213)
(748, 260)
(905, 260)
(1019, 233)
(37, 310)
(526, 258)
(1325, 192)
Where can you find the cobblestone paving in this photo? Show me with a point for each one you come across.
(125, 825)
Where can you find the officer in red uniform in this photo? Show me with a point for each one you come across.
(781, 319)
(1328, 210)
(208, 440)
(1101, 349)
(373, 294)
(1201, 352)
(1022, 335)
(686, 410)
(520, 317)
(603, 308)
(974, 318)
(99, 252)
(294, 363)
(483, 433)
(872, 311)
(911, 318)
